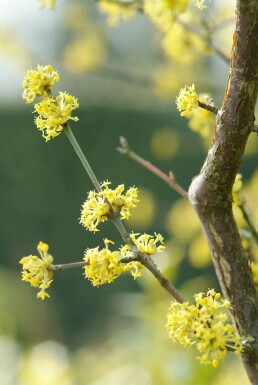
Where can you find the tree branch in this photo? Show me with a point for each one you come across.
(169, 179)
(210, 192)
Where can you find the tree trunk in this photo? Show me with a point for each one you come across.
(210, 191)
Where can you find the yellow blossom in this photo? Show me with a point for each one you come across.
(36, 270)
(116, 11)
(146, 244)
(104, 266)
(187, 99)
(96, 208)
(51, 4)
(237, 186)
(162, 12)
(37, 83)
(205, 325)
(54, 113)
(201, 120)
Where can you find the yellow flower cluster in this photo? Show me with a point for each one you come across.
(96, 208)
(204, 325)
(51, 4)
(36, 270)
(116, 11)
(53, 113)
(201, 120)
(162, 12)
(187, 99)
(104, 266)
(146, 244)
(237, 186)
(37, 84)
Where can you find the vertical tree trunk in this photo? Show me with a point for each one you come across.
(210, 191)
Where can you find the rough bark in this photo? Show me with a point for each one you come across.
(210, 191)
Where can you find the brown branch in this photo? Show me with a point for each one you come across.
(169, 179)
(151, 266)
(209, 107)
(210, 192)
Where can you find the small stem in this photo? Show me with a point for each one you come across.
(247, 218)
(169, 179)
(208, 107)
(66, 266)
(81, 155)
(148, 263)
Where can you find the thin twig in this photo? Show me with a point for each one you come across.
(209, 107)
(151, 266)
(66, 266)
(169, 179)
(122, 75)
(248, 220)
(146, 261)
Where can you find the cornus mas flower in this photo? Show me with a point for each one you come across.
(187, 99)
(200, 4)
(104, 266)
(146, 244)
(54, 113)
(204, 325)
(36, 270)
(96, 208)
(37, 83)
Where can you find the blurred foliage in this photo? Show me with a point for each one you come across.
(126, 85)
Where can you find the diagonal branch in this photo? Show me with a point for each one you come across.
(169, 179)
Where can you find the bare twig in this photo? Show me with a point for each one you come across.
(209, 107)
(169, 179)
(66, 266)
(151, 266)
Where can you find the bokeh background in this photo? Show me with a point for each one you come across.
(126, 84)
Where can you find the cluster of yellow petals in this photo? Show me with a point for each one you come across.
(53, 113)
(201, 120)
(103, 266)
(37, 83)
(187, 99)
(162, 12)
(146, 244)
(51, 4)
(117, 11)
(36, 270)
(204, 325)
(96, 208)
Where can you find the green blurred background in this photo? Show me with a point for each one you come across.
(115, 333)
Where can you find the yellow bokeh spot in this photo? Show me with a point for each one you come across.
(182, 221)
(145, 211)
(199, 253)
(164, 144)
